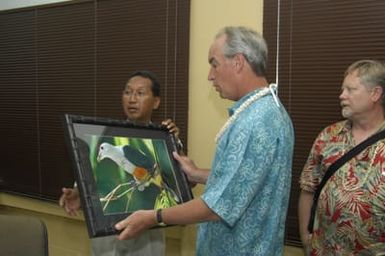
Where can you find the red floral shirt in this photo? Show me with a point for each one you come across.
(350, 217)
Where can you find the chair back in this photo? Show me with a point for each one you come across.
(22, 235)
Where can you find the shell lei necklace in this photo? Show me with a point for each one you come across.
(271, 89)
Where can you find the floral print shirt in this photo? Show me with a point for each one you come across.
(350, 217)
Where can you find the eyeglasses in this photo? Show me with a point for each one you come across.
(138, 94)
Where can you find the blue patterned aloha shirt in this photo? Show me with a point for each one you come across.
(249, 184)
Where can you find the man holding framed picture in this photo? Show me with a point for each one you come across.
(243, 208)
(140, 97)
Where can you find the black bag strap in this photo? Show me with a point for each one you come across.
(335, 166)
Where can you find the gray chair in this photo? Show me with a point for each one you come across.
(22, 235)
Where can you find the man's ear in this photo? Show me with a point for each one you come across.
(156, 103)
(377, 93)
(238, 62)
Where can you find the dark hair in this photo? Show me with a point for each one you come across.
(155, 86)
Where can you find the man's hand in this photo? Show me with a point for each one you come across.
(194, 174)
(306, 242)
(70, 201)
(171, 126)
(304, 207)
(136, 223)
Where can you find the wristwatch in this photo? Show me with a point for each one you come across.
(159, 218)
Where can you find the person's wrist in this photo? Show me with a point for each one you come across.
(159, 218)
(198, 176)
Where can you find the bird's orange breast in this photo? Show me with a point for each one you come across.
(140, 173)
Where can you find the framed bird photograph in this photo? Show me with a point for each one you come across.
(121, 167)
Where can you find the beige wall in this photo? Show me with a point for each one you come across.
(207, 113)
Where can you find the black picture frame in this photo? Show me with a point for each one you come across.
(121, 167)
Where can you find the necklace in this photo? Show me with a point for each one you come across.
(242, 107)
(355, 183)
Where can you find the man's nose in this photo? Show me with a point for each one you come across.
(133, 97)
(210, 76)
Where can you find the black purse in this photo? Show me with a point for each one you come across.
(335, 166)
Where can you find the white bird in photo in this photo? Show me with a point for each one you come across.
(131, 160)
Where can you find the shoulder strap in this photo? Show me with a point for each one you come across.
(335, 166)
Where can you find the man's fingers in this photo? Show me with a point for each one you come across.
(65, 192)
(171, 126)
(176, 156)
(61, 201)
(121, 224)
(166, 122)
(125, 234)
(126, 229)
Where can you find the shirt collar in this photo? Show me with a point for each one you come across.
(238, 103)
(347, 127)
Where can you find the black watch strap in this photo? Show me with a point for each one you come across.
(159, 218)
